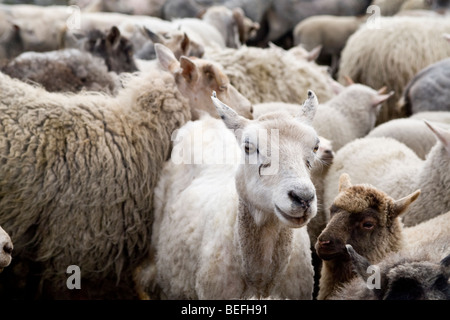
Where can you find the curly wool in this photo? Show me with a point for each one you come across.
(77, 174)
(272, 74)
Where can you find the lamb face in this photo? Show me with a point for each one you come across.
(365, 218)
(278, 151)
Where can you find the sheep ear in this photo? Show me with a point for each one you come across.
(155, 38)
(166, 58)
(402, 204)
(360, 264)
(113, 36)
(442, 135)
(232, 120)
(380, 97)
(185, 43)
(314, 53)
(344, 182)
(190, 72)
(348, 81)
(309, 108)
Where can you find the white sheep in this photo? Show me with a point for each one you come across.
(6, 248)
(330, 32)
(394, 168)
(409, 44)
(83, 167)
(273, 74)
(414, 133)
(433, 116)
(237, 230)
(356, 106)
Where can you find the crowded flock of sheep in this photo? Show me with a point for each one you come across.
(225, 149)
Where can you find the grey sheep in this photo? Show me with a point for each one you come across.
(428, 90)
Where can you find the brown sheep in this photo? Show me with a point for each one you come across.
(366, 218)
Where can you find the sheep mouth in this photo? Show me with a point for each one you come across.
(329, 253)
(297, 221)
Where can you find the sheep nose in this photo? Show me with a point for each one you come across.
(324, 243)
(7, 248)
(299, 200)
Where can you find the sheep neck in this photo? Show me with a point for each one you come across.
(263, 250)
(334, 274)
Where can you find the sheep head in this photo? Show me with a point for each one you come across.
(6, 248)
(364, 217)
(404, 277)
(278, 151)
(197, 78)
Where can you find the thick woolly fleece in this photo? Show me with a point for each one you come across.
(77, 175)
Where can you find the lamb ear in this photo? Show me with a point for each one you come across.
(232, 120)
(190, 72)
(309, 108)
(113, 36)
(166, 58)
(314, 53)
(344, 182)
(402, 204)
(360, 264)
(380, 98)
(155, 38)
(442, 135)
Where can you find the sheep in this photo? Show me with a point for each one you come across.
(392, 7)
(433, 116)
(83, 167)
(427, 90)
(177, 41)
(236, 230)
(364, 217)
(394, 168)
(234, 26)
(11, 42)
(403, 276)
(412, 132)
(63, 70)
(134, 7)
(330, 32)
(116, 50)
(6, 248)
(356, 106)
(272, 74)
(384, 56)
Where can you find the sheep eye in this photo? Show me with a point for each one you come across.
(368, 225)
(223, 87)
(249, 148)
(316, 148)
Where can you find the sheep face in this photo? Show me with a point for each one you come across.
(405, 278)
(365, 218)
(114, 48)
(197, 78)
(274, 176)
(6, 248)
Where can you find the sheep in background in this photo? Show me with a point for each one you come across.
(385, 56)
(84, 167)
(272, 74)
(176, 41)
(428, 89)
(11, 43)
(69, 70)
(6, 248)
(236, 230)
(414, 133)
(115, 49)
(392, 7)
(394, 168)
(364, 217)
(330, 32)
(403, 276)
(433, 116)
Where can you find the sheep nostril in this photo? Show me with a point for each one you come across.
(7, 248)
(324, 243)
(298, 200)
